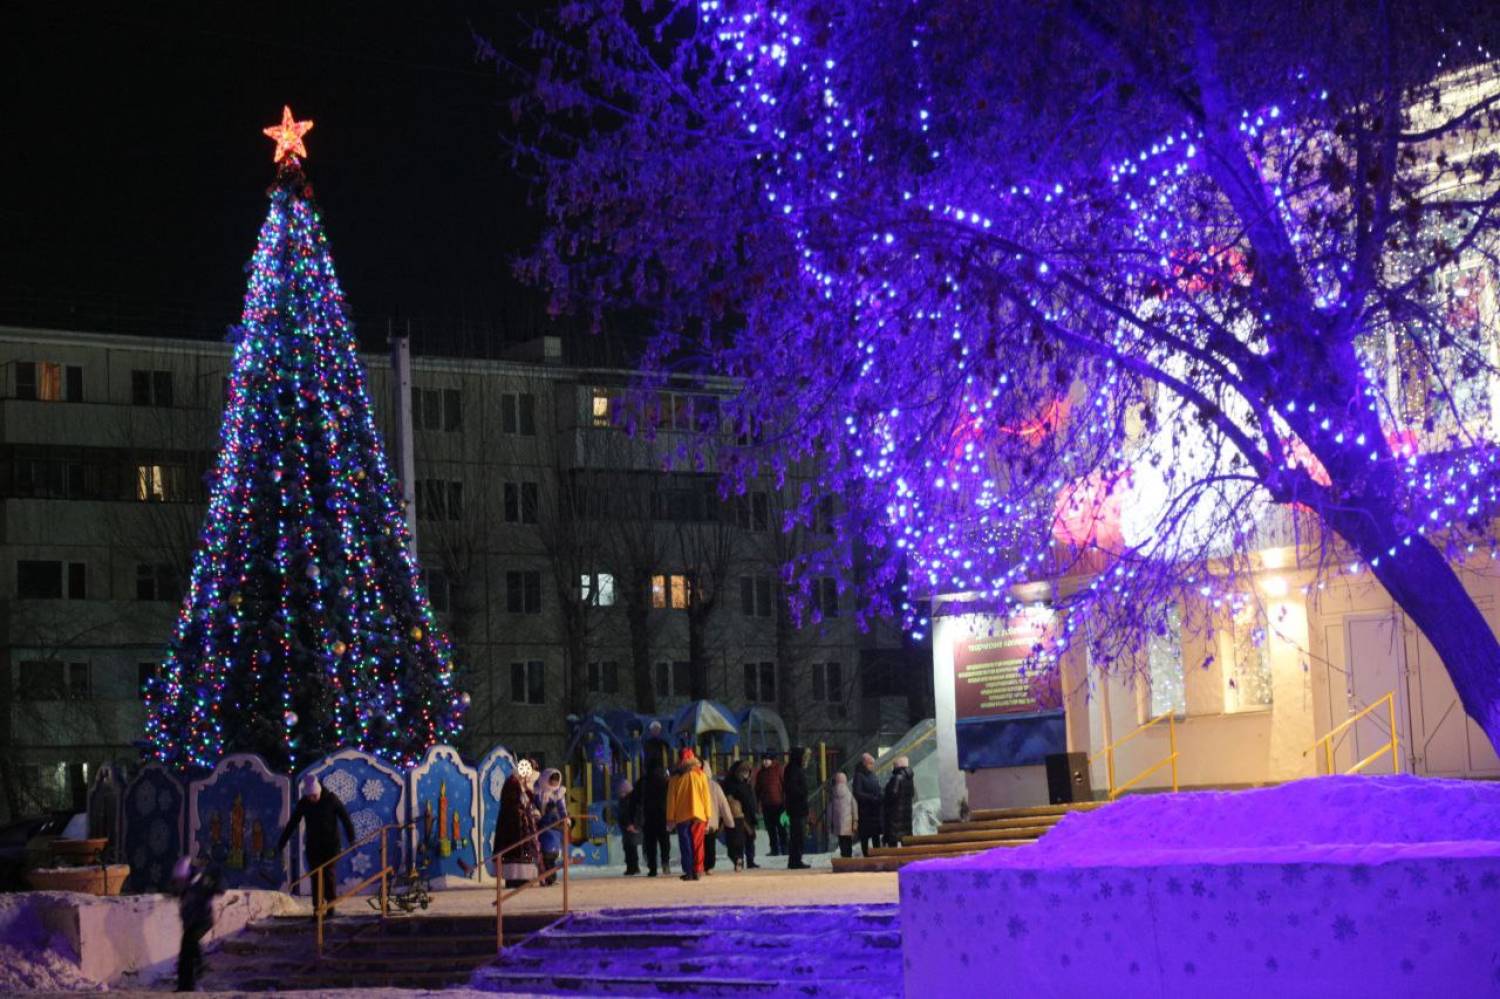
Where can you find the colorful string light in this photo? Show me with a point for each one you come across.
(306, 624)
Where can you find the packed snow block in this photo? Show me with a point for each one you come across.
(84, 939)
(235, 815)
(1199, 894)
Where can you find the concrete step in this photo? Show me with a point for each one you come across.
(1032, 811)
(1031, 821)
(897, 860)
(997, 836)
(832, 951)
(945, 849)
(826, 982)
(419, 951)
(785, 963)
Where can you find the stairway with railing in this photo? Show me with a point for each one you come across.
(1390, 745)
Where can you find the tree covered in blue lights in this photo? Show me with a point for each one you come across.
(1114, 294)
(306, 625)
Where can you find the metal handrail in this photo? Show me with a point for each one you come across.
(501, 894)
(322, 905)
(1392, 744)
(1170, 758)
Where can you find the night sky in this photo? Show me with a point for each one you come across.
(137, 168)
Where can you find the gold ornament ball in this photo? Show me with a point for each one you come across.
(416, 633)
(339, 648)
(235, 599)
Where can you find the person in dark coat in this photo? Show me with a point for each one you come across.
(653, 794)
(516, 828)
(896, 803)
(196, 906)
(323, 812)
(794, 790)
(772, 798)
(867, 796)
(657, 748)
(742, 804)
(628, 812)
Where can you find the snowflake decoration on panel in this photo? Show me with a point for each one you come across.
(341, 783)
(361, 864)
(166, 801)
(145, 802)
(365, 822)
(373, 789)
(158, 835)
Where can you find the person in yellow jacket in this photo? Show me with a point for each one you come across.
(688, 809)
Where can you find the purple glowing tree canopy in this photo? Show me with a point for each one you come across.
(1097, 293)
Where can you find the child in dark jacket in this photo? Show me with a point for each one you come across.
(196, 889)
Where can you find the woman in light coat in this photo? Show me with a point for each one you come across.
(719, 817)
(841, 814)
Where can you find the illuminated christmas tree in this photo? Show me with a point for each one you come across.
(306, 624)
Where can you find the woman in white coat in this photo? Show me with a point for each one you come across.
(841, 814)
(719, 817)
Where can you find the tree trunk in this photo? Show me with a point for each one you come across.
(638, 620)
(786, 673)
(698, 653)
(1425, 586)
(578, 667)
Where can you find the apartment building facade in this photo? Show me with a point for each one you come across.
(574, 573)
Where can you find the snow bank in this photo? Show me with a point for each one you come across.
(1394, 809)
(34, 957)
(64, 940)
(1335, 886)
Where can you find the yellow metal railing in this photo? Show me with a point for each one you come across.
(1391, 745)
(1169, 760)
(321, 906)
(501, 894)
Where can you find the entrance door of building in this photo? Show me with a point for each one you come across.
(1374, 665)
(1447, 742)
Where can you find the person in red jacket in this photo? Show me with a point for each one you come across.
(772, 798)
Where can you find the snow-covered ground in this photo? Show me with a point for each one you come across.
(1335, 886)
(61, 941)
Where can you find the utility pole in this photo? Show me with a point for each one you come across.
(406, 464)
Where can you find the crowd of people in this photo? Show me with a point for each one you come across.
(772, 794)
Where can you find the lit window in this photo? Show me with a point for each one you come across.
(598, 589)
(671, 592)
(1164, 657)
(602, 407)
(1247, 685)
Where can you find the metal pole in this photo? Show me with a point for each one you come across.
(499, 912)
(1172, 744)
(567, 852)
(406, 462)
(385, 869)
(1395, 757)
(318, 906)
